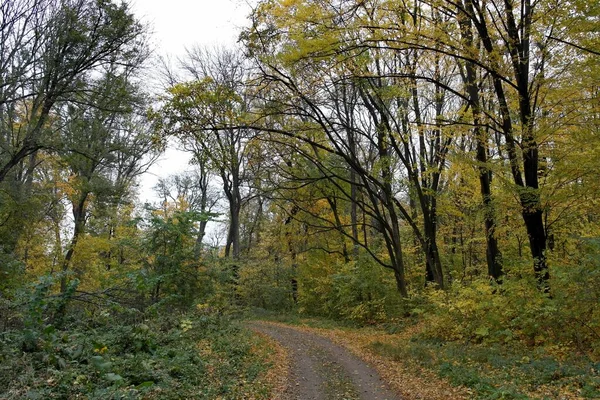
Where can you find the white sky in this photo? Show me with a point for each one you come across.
(178, 25)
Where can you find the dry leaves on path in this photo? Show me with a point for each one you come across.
(411, 382)
(278, 359)
(322, 370)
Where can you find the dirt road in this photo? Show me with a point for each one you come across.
(322, 370)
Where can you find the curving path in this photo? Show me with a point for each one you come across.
(322, 370)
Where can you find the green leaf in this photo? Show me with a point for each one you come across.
(113, 377)
(144, 385)
(49, 329)
(99, 363)
(482, 331)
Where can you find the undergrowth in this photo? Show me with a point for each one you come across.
(505, 342)
(193, 355)
(498, 371)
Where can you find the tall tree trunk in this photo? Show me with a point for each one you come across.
(339, 227)
(398, 260)
(518, 45)
(433, 263)
(386, 220)
(255, 227)
(538, 244)
(234, 229)
(199, 238)
(232, 192)
(391, 224)
(493, 255)
(354, 200)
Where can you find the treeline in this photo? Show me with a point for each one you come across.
(452, 144)
(98, 294)
(371, 160)
(73, 132)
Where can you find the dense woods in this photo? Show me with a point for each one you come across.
(395, 163)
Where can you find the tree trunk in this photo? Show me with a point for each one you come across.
(339, 227)
(433, 264)
(398, 260)
(232, 191)
(353, 197)
(518, 47)
(354, 214)
(78, 229)
(493, 255)
(234, 229)
(199, 238)
(537, 243)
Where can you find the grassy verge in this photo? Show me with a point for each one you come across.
(192, 356)
(499, 372)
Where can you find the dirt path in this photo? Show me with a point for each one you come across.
(322, 370)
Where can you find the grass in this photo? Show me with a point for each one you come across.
(295, 319)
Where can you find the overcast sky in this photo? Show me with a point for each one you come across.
(181, 24)
(178, 24)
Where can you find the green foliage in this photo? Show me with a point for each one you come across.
(515, 311)
(11, 272)
(577, 317)
(502, 340)
(359, 291)
(348, 134)
(194, 355)
(265, 285)
(173, 269)
(44, 310)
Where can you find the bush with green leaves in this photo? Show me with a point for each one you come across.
(265, 285)
(496, 371)
(566, 319)
(360, 291)
(164, 354)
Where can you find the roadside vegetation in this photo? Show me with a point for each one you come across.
(116, 352)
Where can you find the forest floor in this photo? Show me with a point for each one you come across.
(314, 359)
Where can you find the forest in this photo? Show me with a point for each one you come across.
(426, 170)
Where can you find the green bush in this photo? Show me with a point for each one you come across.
(199, 354)
(359, 291)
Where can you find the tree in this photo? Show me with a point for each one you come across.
(49, 48)
(104, 148)
(206, 114)
(518, 57)
(171, 262)
(191, 192)
(393, 135)
(472, 83)
(49, 53)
